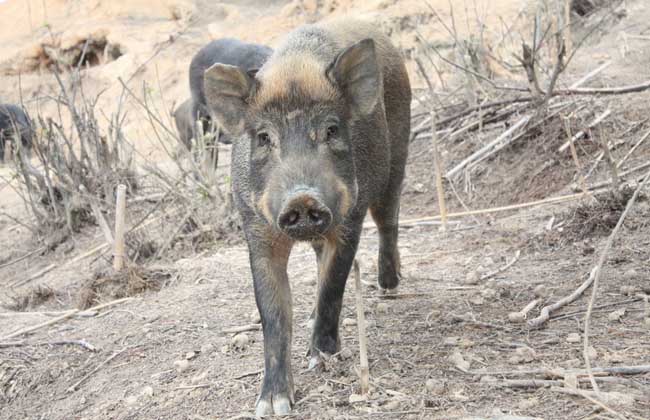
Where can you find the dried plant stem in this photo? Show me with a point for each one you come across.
(440, 189)
(364, 374)
(580, 134)
(616, 181)
(574, 155)
(74, 387)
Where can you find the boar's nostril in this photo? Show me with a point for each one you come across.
(292, 218)
(315, 216)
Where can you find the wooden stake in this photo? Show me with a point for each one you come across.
(364, 374)
(120, 214)
(438, 170)
(9, 152)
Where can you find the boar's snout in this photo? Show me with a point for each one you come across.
(304, 216)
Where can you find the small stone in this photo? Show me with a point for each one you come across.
(457, 395)
(255, 317)
(472, 278)
(349, 322)
(382, 308)
(616, 315)
(465, 343)
(346, 353)
(224, 349)
(450, 341)
(489, 293)
(324, 389)
(131, 400)
(573, 338)
(630, 275)
(197, 379)
(190, 355)
(356, 398)
(516, 317)
(488, 379)
(418, 187)
(477, 300)
(541, 291)
(391, 405)
(435, 386)
(181, 365)
(240, 341)
(488, 261)
(207, 348)
(528, 403)
(147, 391)
(523, 355)
(459, 361)
(628, 290)
(370, 323)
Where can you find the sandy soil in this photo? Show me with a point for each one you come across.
(436, 350)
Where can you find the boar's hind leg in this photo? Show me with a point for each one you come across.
(386, 217)
(335, 261)
(273, 297)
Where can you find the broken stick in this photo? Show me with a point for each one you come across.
(361, 325)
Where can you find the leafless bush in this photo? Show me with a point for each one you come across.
(75, 165)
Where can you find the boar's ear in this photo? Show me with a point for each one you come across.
(226, 90)
(356, 72)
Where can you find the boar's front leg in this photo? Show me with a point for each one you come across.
(268, 260)
(335, 259)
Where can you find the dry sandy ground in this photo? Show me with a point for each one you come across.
(436, 350)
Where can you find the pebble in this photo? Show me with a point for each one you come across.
(255, 317)
(628, 290)
(355, 398)
(181, 365)
(472, 278)
(207, 348)
(190, 355)
(199, 378)
(541, 291)
(131, 400)
(573, 338)
(630, 275)
(435, 386)
(346, 353)
(147, 391)
(240, 340)
(382, 308)
(616, 315)
(349, 322)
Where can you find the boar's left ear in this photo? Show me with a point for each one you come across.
(226, 90)
(356, 72)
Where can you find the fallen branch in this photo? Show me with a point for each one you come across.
(548, 310)
(580, 134)
(34, 276)
(242, 328)
(502, 269)
(552, 200)
(596, 275)
(73, 387)
(488, 147)
(81, 343)
(65, 316)
(605, 91)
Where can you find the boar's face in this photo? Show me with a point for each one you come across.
(298, 118)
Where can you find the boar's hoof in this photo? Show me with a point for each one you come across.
(314, 362)
(278, 404)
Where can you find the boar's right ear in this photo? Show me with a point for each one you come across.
(226, 90)
(357, 73)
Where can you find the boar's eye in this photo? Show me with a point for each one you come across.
(332, 131)
(263, 139)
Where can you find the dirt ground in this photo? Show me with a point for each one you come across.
(442, 348)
